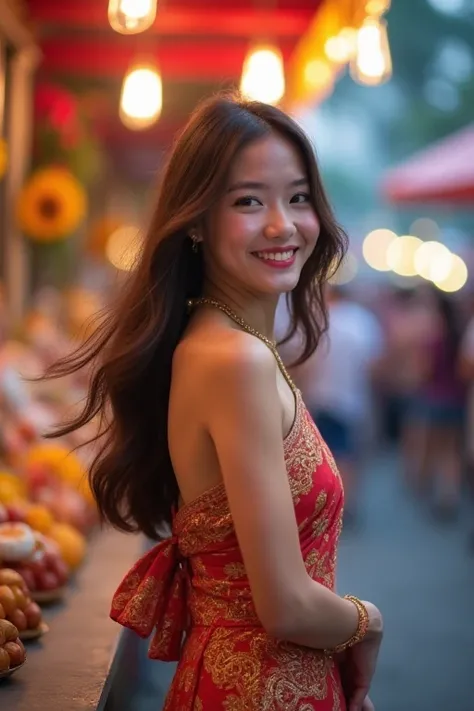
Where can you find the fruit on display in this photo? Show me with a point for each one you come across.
(39, 517)
(17, 541)
(57, 478)
(46, 505)
(46, 569)
(12, 488)
(16, 604)
(70, 542)
(12, 651)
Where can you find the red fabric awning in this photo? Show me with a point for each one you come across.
(443, 172)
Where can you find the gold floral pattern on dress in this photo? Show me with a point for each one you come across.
(193, 589)
(299, 676)
(142, 604)
(319, 567)
(232, 669)
(234, 571)
(304, 458)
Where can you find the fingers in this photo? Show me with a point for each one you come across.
(367, 705)
(358, 698)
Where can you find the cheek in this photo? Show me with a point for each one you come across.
(239, 230)
(310, 228)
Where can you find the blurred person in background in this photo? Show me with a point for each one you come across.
(407, 324)
(466, 372)
(336, 384)
(438, 406)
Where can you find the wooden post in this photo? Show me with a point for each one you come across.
(23, 61)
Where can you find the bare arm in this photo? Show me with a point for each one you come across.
(245, 422)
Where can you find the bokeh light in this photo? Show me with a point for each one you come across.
(401, 255)
(457, 276)
(123, 247)
(375, 249)
(347, 270)
(433, 261)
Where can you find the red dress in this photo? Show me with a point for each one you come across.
(191, 591)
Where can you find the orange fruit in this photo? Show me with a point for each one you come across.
(58, 460)
(72, 544)
(39, 518)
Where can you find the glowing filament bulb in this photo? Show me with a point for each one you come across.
(142, 97)
(263, 75)
(129, 17)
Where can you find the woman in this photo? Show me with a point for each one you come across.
(208, 435)
(439, 407)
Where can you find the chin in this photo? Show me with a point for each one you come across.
(282, 285)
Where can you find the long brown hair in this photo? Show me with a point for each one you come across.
(131, 351)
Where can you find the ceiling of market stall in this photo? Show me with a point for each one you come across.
(199, 46)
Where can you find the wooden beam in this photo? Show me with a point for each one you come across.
(177, 60)
(232, 22)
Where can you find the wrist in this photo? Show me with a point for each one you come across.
(375, 622)
(362, 625)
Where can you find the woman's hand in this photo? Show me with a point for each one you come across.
(359, 662)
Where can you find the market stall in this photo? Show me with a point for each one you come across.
(58, 568)
(441, 173)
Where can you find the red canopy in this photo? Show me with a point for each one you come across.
(443, 172)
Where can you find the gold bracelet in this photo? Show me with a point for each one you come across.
(362, 626)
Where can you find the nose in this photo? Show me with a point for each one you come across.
(279, 225)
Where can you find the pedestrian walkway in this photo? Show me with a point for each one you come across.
(422, 578)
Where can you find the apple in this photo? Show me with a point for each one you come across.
(4, 660)
(33, 615)
(18, 618)
(28, 576)
(37, 476)
(3, 514)
(16, 513)
(46, 580)
(60, 569)
(16, 652)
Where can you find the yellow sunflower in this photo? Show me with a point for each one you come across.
(51, 205)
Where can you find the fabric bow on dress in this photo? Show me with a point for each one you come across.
(153, 595)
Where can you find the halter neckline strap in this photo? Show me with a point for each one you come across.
(221, 306)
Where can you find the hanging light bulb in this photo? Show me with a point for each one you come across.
(142, 97)
(129, 17)
(372, 63)
(377, 7)
(341, 47)
(263, 75)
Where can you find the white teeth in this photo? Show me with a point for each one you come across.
(276, 256)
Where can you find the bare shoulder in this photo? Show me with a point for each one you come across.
(220, 359)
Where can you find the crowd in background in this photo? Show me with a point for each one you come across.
(396, 375)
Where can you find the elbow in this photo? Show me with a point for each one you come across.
(280, 620)
(281, 628)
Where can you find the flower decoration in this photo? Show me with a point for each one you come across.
(51, 205)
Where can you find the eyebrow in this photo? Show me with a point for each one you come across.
(251, 185)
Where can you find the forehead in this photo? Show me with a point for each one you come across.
(266, 159)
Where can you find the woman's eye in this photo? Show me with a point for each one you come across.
(247, 201)
(300, 198)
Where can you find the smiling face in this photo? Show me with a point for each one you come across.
(264, 227)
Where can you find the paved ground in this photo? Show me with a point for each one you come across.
(421, 576)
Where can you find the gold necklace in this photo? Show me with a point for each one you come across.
(204, 301)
